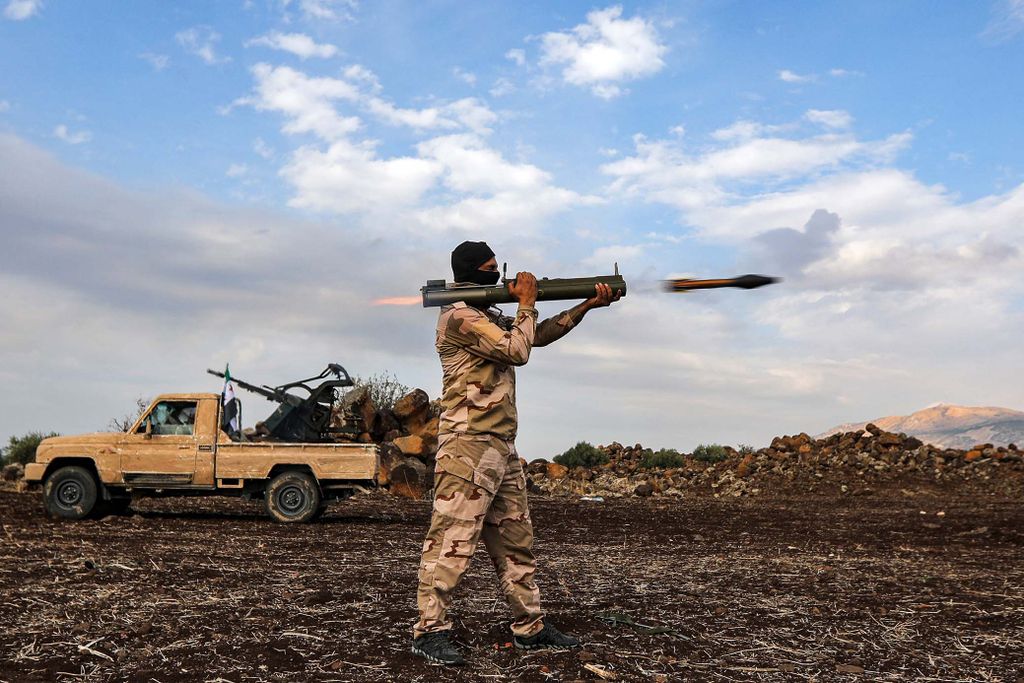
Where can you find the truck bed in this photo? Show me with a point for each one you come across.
(344, 461)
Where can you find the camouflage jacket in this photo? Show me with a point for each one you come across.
(478, 351)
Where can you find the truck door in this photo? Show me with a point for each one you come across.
(165, 457)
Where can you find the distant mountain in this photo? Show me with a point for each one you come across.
(950, 426)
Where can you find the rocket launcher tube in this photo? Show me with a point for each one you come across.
(440, 293)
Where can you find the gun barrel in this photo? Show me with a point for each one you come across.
(440, 293)
(749, 281)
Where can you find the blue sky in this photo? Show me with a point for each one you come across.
(689, 137)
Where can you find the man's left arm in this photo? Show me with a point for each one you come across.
(558, 326)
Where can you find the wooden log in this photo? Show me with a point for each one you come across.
(410, 479)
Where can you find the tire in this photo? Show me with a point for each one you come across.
(70, 493)
(293, 498)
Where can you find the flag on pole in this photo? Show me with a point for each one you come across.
(230, 405)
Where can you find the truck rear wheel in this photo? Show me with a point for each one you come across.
(70, 493)
(293, 497)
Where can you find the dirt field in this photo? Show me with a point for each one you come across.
(900, 588)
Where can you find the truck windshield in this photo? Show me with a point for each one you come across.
(171, 418)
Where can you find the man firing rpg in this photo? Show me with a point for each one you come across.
(479, 485)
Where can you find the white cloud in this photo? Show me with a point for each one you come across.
(741, 130)
(843, 73)
(309, 103)
(517, 55)
(498, 193)
(829, 118)
(661, 171)
(19, 10)
(262, 148)
(502, 87)
(792, 77)
(201, 41)
(326, 10)
(605, 51)
(1007, 21)
(348, 178)
(157, 61)
(4, 106)
(298, 44)
(62, 132)
(305, 101)
(236, 170)
(466, 77)
(603, 258)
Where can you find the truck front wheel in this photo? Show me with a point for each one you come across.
(293, 497)
(70, 493)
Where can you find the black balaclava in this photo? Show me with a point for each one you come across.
(466, 261)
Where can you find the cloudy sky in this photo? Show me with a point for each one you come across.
(188, 184)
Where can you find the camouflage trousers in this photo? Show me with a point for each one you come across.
(479, 490)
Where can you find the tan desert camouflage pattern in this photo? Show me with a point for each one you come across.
(489, 502)
(478, 351)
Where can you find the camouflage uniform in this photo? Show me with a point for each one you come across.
(480, 485)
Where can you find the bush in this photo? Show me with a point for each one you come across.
(664, 459)
(385, 389)
(746, 449)
(582, 454)
(22, 449)
(711, 452)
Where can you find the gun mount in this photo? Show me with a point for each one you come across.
(301, 418)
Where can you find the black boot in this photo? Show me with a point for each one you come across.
(437, 648)
(549, 637)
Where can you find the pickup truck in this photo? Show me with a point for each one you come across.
(179, 446)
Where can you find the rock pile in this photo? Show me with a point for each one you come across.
(405, 433)
(12, 472)
(851, 463)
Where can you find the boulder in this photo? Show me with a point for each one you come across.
(643, 490)
(13, 472)
(743, 469)
(556, 471)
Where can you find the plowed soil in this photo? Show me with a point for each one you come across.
(876, 588)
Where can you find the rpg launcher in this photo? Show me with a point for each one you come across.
(441, 293)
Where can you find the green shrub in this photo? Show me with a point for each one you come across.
(664, 459)
(22, 449)
(746, 449)
(711, 452)
(582, 454)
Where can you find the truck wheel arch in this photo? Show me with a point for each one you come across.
(78, 461)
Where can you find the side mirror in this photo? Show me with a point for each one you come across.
(149, 428)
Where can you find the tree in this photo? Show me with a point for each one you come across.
(124, 423)
(384, 388)
(22, 449)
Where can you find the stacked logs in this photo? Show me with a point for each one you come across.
(406, 435)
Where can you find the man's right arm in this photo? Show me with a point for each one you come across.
(470, 329)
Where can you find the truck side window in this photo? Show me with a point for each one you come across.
(172, 418)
